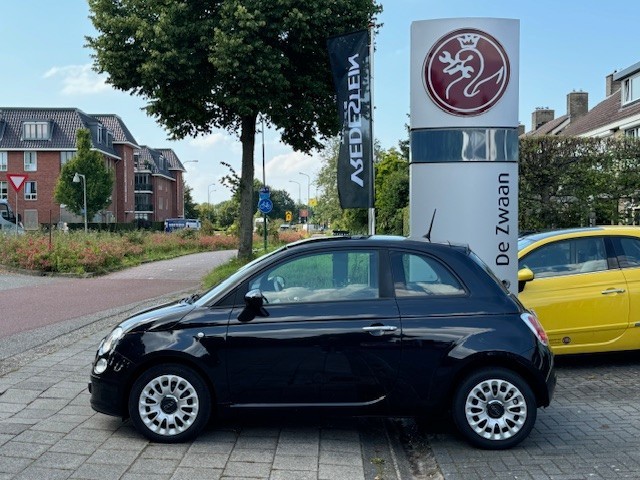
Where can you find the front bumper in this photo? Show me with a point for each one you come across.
(109, 389)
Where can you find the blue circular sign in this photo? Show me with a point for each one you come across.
(265, 205)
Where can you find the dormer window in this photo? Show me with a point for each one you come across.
(36, 131)
(631, 89)
(99, 134)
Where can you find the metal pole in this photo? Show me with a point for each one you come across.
(264, 184)
(372, 209)
(84, 184)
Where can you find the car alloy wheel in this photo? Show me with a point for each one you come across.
(169, 403)
(494, 408)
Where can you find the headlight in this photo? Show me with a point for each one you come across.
(111, 340)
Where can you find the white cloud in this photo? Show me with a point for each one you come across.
(211, 140)
(79, 79)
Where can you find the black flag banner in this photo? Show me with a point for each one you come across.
(350, 64)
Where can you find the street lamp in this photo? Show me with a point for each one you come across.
(209, 192)
(293, 181)
(189, 161)
(308, 186)
(77, 179)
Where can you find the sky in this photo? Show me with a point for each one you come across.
(565, 46)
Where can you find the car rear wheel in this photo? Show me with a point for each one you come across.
(494, 408)
(169, 403)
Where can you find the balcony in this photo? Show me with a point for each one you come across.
(144, 207)
(143, 187)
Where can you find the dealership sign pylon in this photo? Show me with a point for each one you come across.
(464, 136)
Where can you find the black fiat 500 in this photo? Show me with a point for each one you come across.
(373, 325)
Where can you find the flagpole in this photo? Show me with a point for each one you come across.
(372, 209)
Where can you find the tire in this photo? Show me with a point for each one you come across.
(169, 403)
(494, 409)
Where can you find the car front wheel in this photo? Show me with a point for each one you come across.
(494, 408)
(169, 403)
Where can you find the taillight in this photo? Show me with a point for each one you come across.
(532, 321)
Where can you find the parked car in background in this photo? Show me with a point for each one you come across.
(366, 325)
(584, 285)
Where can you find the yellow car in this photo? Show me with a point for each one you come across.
(584, 285)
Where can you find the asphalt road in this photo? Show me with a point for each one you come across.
(33, 309)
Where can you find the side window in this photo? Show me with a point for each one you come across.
(568, 257)
(630, 257)
(321, 277)
(417, 275)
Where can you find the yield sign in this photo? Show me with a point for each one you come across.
(17, 180)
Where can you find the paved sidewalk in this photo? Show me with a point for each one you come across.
(49, 431)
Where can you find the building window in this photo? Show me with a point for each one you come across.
(30, 161)
(631, 89)
(99, 134)
(30, 192)
(36, 131)
(633, 132)
(66, 156)
(3, 161)
(4, 190)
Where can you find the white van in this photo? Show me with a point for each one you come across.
(8, 219)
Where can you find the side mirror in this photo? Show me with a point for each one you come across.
(524, 275)
(254, 301)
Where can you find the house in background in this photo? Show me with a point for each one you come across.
(38, 141)
(617, 114)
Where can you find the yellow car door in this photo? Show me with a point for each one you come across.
(582, 303)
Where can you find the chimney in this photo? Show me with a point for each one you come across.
(541, 116)
(520, 129)
(577, 105)
(611, 86)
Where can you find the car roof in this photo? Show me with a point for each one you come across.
(374, 241)
(526, 242)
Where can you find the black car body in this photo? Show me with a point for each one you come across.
(383, 325)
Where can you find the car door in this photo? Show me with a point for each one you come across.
(628, 256)
(328, 332)
(579, 295)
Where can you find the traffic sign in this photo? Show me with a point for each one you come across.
(288, 216)
(264, 192)
(265, 205)
(17, 180)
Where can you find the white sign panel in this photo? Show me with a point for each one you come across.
(474, 204)
(464, 73)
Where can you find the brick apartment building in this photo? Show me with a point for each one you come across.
(38, 141)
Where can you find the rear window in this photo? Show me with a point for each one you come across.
(486, 268)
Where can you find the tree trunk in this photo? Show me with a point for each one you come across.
(247, 209)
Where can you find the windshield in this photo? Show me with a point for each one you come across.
(234, 278)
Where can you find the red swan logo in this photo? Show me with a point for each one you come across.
(466, 72)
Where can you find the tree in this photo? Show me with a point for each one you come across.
(190, 207)
(392, 192)
(565, 180)
(99, 180)
(205, 65)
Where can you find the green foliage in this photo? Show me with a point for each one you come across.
(190, 207)
(99, 180)
(96, 253)
(564, 179)
(205, 65)
(392, 192)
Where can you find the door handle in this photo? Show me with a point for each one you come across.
(612, 290)
(379, 330)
